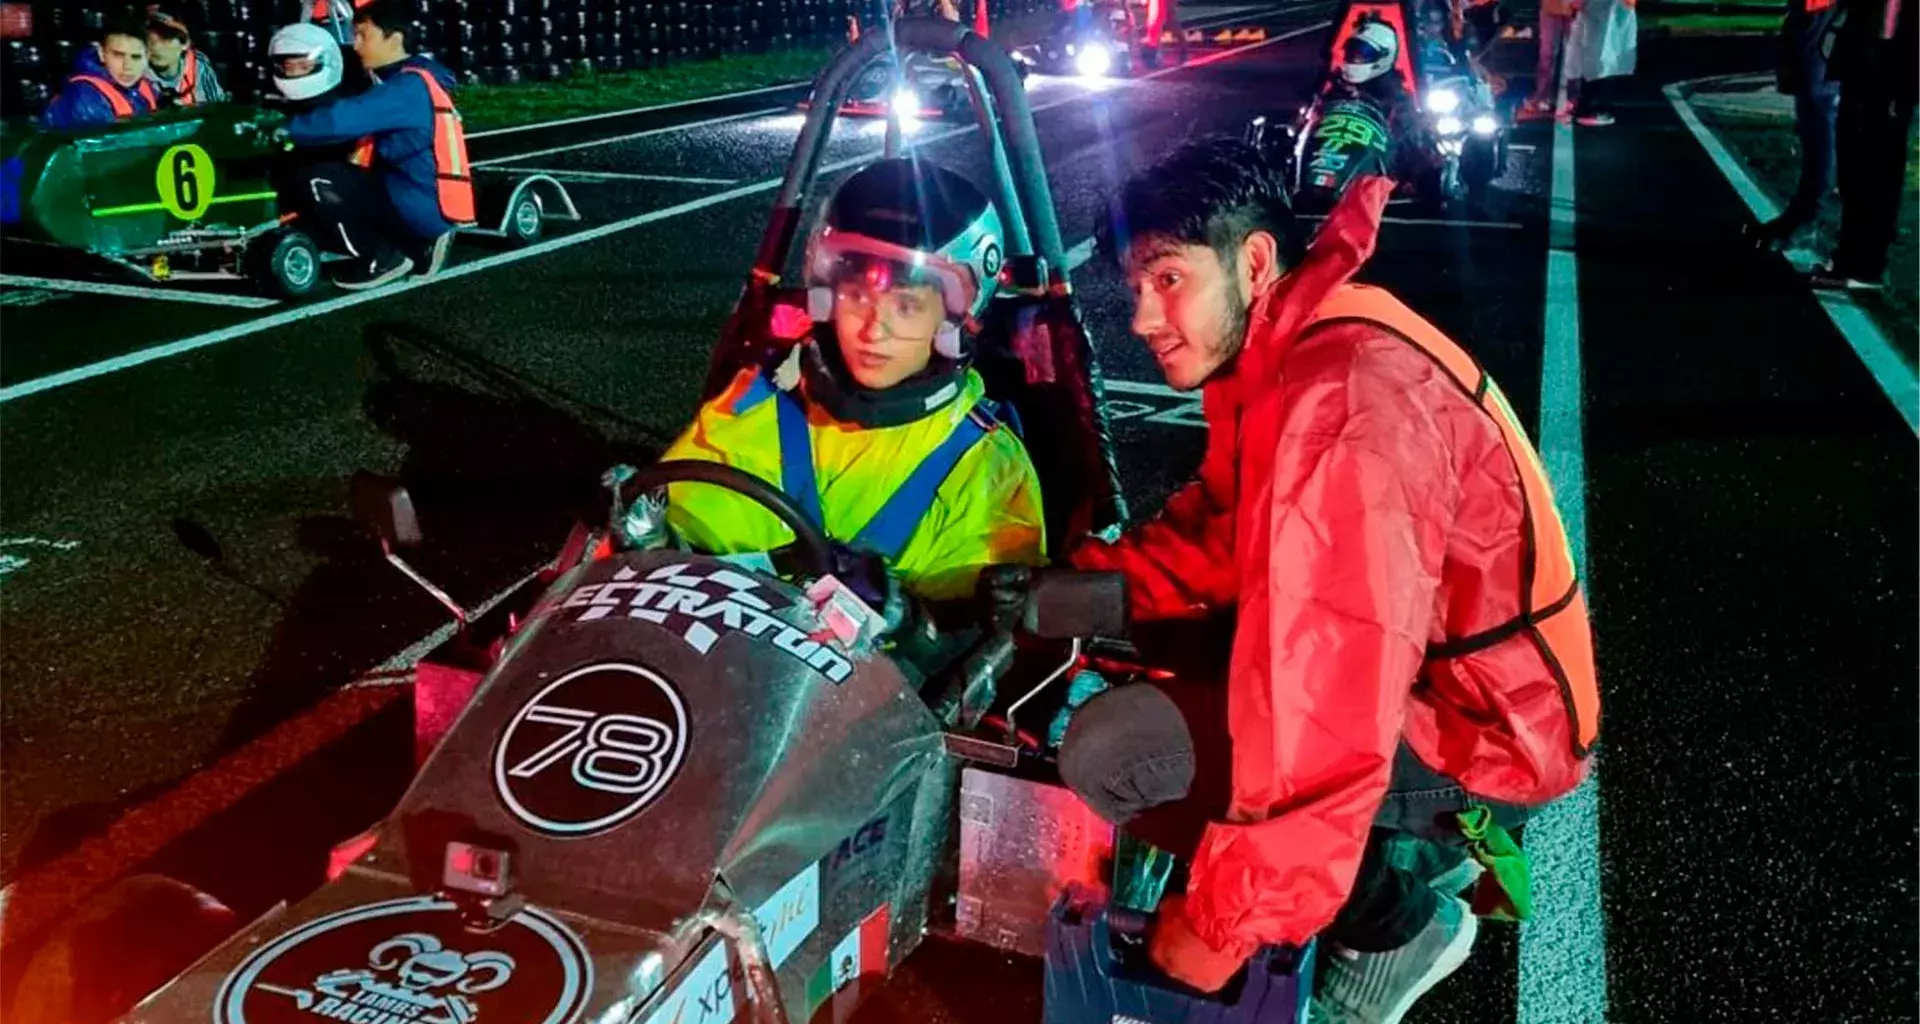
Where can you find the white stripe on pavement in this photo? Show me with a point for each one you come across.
(1897, 380)
(629, 137)
(168, 350)
(1563, 949)
(127, 291)
(630, 111)
(670, 179)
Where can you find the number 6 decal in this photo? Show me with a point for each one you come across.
(185, 180)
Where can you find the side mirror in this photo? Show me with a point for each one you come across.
(384, 506)
(1067, 605)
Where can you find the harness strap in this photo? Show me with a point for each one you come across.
(796, 457)
(887, 533)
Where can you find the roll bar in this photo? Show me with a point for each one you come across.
(1024, 194)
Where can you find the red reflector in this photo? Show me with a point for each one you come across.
(347, 852)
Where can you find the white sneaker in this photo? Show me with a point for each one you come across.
(1379, 988)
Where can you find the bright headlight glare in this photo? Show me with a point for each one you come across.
(1449, 126)
(1443, 101)
(906, 105)
(1094, 61)
(1485, 124)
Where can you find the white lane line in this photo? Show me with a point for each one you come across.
(629, 137)
(170, 349)
(630, 111)
(1864, 335)
(127, 291)
(670, 179)
(1563, 949)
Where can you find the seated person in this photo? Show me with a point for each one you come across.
(178, 73)
(408, 184)
(876, 423)
(108, 83)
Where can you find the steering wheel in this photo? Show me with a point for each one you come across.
(810, 541)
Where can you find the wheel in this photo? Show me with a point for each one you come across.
(526, 220)
(287, 264)
(117, 947)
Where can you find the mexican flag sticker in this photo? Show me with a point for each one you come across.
(862, 952)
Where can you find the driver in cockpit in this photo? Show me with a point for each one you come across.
(875, 423)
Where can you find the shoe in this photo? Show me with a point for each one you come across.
(1457, 879)
(436, 256)
(1599, 120)
(1831, 276)
(1379, 988)
(363, 274)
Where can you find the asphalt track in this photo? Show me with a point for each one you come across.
(182, 590)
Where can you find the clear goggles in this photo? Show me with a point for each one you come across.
(842, 263)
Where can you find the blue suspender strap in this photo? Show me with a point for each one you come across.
(887, 533)
(796, 457)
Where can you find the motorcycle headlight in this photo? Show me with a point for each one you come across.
(1449, 126)
(1443, 101)
(1094, 61)
(1485, 124)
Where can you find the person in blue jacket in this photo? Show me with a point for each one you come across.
(395, 203)
(108, 82)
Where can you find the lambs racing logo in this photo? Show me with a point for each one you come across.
(408, 961)
(701, 608)
(591, 749)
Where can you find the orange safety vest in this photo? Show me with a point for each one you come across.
(450, 166)
(322, 9)
(122, 107)
(189, 79)
(1552, 615)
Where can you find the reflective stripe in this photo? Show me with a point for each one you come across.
(796, 457)
(362, 155)
(888, 532)
(1553, 613)
(450, 165)
(122, 107)
(189, 79)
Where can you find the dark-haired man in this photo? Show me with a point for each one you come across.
(1410, 642)
(109, 81)
(397, 201)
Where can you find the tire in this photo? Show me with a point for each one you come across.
(1479, 165)
(117, 947)
(526, 219)
(286, 264)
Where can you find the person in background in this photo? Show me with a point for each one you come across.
(1877, 61)
(1556, 22)
(408, 184)
(178, 72)
(109, 81)
(1804, 48)
(1602, 46)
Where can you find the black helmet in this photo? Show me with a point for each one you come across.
(903, 220)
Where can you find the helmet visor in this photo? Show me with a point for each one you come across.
(1360, 51)
(901, 281)
(295, 65)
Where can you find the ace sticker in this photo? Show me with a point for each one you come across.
(591, 750)
(409, 961)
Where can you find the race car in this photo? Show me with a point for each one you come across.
(1090, 41)
(1431, 117)
(658, 785)
(909, 88)
(187, 194)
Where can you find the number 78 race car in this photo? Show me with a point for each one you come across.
(659, 787)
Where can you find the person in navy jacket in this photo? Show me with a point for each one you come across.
(394, 204)
(108, 82)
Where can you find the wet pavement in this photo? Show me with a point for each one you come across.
(180, 578)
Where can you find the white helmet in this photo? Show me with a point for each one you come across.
(305, 61)
(1369, 52)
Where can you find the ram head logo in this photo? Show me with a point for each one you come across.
(420, 963)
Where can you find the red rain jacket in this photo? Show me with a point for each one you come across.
(1362, 509)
